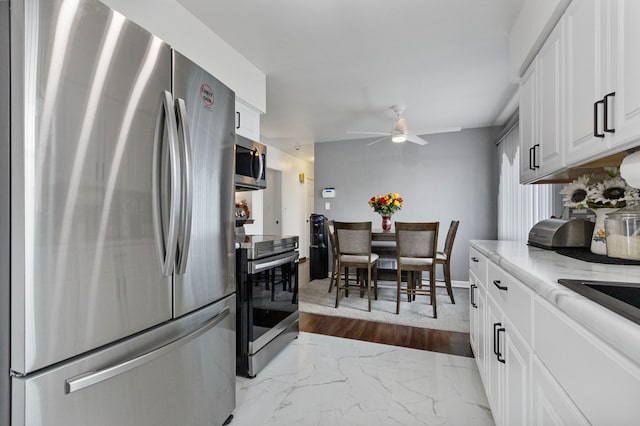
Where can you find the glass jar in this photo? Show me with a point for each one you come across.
(622, 229)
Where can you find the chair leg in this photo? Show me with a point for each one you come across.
(346, 282)
(432, 286)
(333, 274)
(375, 280)
(369, 286)
(447, 280)
(398, 283)
(338, 286)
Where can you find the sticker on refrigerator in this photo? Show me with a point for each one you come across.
(206, 94)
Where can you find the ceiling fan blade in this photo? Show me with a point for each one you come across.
(369, 133)
(411, 137)
(440, 130)
(378, 140)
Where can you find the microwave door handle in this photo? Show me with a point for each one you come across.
(186, 202)
(261, 164)
(166, 236)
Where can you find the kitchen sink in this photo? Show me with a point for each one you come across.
(621, 297)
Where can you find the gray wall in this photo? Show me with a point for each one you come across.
(454, 177)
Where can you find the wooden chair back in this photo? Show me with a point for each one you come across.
(451, 236)
(353, 238)
(416, 239)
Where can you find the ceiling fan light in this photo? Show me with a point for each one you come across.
(399, 138)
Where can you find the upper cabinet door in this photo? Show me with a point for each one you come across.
(85, 265)
(541, 112)
(528, 125)
(626, 78)
(586, 79)
(550, 114)
(247, 121)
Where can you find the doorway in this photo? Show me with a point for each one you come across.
(305, 237)
(272, 213)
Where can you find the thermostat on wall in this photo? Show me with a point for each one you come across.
(328, 193)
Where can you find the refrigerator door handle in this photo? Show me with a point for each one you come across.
(166, 236)
(89, 378)
(184, 237)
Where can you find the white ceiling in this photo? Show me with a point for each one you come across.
(334, 66)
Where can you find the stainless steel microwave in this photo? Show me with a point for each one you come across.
(251, 165)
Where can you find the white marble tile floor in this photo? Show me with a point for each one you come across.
(325, 380)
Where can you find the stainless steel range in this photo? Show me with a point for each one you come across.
(267, 298)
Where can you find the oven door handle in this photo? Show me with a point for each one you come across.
(259, 267)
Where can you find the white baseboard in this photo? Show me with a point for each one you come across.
(462, 284)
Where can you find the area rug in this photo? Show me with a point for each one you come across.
(314, 298)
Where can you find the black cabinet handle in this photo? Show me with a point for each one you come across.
(499, 354)
(473, 299)
(238, 123)
(500, 287)
(495, 337)
(474, 259)
(595, 119)
(606, 113)
(531, 160)
(536, 148)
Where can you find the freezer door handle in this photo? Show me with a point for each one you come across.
(89, 378)
(166, 226)
(186, 205)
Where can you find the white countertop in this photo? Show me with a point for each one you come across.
(540, 270)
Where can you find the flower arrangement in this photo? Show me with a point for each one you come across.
(599, 191)
(386, 205)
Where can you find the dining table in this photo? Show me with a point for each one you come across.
(383, 243)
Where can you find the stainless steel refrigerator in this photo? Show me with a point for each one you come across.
(117, 291)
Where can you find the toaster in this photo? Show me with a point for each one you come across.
(559, 233)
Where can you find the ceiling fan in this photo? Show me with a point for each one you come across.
(399, 132)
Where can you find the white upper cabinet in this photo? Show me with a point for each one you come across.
(541, 111)
(586, 81)
(528, 127)
(549, 69)
(602, 84)
(626, 76)
(247, 121)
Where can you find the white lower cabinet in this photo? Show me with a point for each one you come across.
(537, 365)
(477, 326)
(494, 383)
(550, 405)
(516, 356)
(474, 313)
(515, 381)
(602, 383)
(507, 369)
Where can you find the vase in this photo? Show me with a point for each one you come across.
(599, 238)
(386, 223)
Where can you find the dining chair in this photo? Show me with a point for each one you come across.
(416, 250)
(444, 258)
(335, 273)
(353, 245)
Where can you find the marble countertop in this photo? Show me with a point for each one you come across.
(540, 270)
